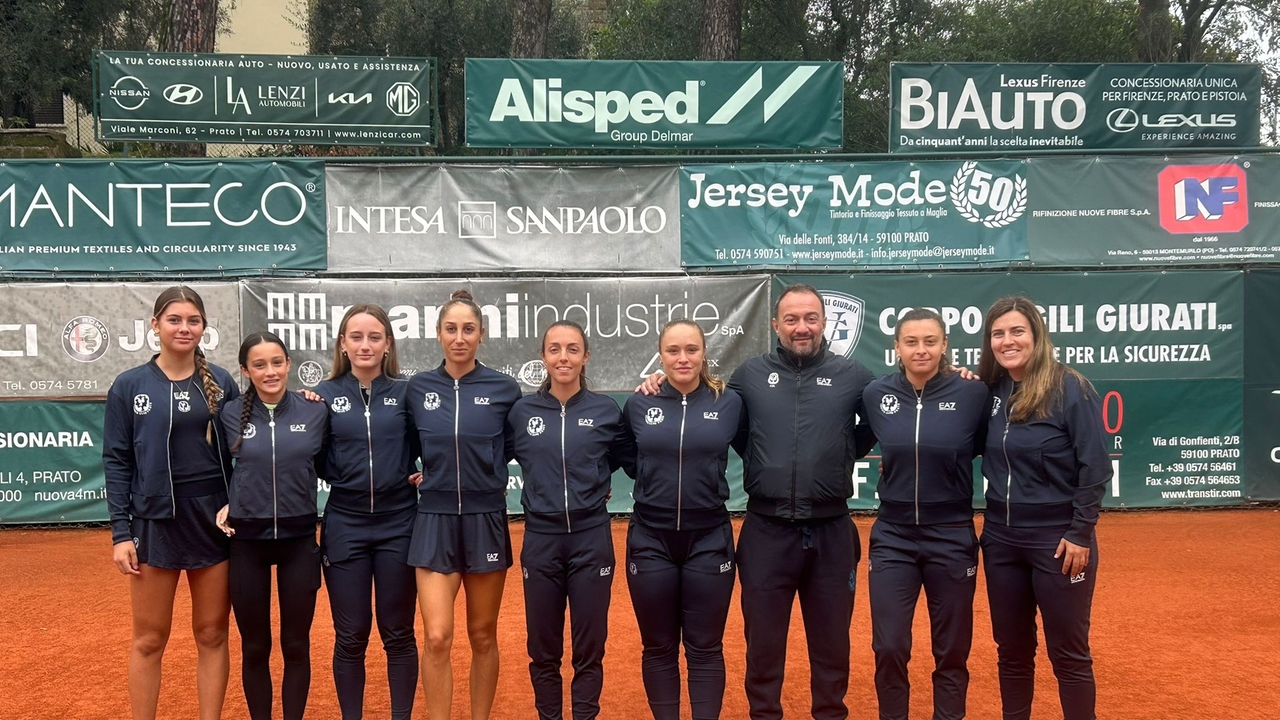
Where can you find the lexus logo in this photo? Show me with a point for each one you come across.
(1122, 120)
(183, 94)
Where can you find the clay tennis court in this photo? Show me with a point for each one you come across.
(1186, 624)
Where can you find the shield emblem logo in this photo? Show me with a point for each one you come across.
(844, 321)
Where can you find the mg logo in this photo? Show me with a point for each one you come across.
(844, 321)
(348, 98)
(1203, 199)
(403, 99)
(477, 219)
(183, 94)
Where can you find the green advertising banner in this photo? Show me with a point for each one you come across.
(1154, 210)
(51, 462)
(980, 107)
(1262, 384)
(654, 104)
(147, 216)
(1163, 349)
(299, 99)
(876, 214)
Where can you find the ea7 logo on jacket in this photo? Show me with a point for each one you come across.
(299, 427)
(340, 404)
(824, 382)
(389, 401)
(431, 401)
(482, 401)
(946, 406)
(889, 405)
(710, 416)
(653, 416)
(586, 422)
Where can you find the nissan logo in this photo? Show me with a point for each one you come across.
(1122, 120)
(183, 94)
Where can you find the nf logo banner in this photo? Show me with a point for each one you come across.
(617, 103)
(1203, 199)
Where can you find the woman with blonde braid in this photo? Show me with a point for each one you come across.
(167, 470)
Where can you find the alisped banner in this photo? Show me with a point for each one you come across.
(980, 107)
(299, 99)
(654, 104)
(622, 318)
(1164, 351)
(61, 340)
(880, 214)
(437, 218)
(51, 463)
(148, 216)
(1153, 210)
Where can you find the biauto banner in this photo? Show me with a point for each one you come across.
(232, 98)
(51, 462)
(1164, 351)
(72, 340)
(1043, 211)
(980, 107)
(654, 104)
(149, 216)
(437, 218)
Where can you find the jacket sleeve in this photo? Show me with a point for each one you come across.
(117, 461)
(980, 435)
(622, 450)
(320, 461)
(743, 435)
(1083, 419)
(863, 437)
(628, 460)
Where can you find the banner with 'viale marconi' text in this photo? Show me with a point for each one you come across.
(450, 218)
(73, 340)
(150, 216)
(981, 107)
(1164, 350)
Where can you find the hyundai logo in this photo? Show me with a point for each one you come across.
(183, 94)
(1122, 120)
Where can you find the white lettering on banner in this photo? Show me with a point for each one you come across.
(45, 439)
(14, 347)
(1066, 110)
(777, 195)
(143, 334)
(104, 208)
(477, 220)
(1119, 317)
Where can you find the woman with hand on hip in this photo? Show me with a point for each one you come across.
(371, 450)
(167, 470)
(1047, 468)
(460, 535)
(680, 570)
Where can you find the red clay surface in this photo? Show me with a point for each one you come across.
(1186, 624)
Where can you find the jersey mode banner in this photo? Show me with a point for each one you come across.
(232, 98)
(1164, 351)
(60, 340)
(654, 104)
(451, 218)
(113, 217)
(980, 107)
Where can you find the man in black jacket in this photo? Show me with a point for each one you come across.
(801, 432)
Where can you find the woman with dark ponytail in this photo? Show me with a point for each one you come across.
(568, 441)
(167, 470)
(271, 517)
(460, 536)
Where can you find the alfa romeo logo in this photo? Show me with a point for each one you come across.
(84, 339)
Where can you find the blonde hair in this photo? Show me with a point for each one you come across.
(1040, 391)
(704, 373)
(342, 364)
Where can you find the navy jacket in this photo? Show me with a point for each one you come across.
(371, 449)
(1049, 473)
(803, 430)
(462, 428)
(135, 443)
(567, 453)
(273, 488)
(682, 447)
(927, 444)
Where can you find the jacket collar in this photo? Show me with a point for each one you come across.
(790, 359)
(545, 394)
(667, 390)
(285, 401)
(475, 372)
(350, 381)
(931, 385)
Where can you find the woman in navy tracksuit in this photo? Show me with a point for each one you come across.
(680, 544)
(167, 469)
(930, 424)
(1047, 469)
(277, 440)
(371, 450)
(460, 534)
(568, 441)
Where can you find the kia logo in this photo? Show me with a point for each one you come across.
(1122, 120)
(183, 94)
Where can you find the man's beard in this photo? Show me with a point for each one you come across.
(811, 351)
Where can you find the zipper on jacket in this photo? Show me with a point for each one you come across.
(684, 411)
(564, 468)
(457, 452)
(168, 453)
(368, 429)
(1008, 492)
(795, 444)
(275, 507)
(919, 407)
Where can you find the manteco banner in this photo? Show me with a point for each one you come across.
(125, 216)
(60, 340)
(1165, 352)
(438, 218)
(622, 319)
(887, 214)
(225, 98)
(962, 107)
(654, 104)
